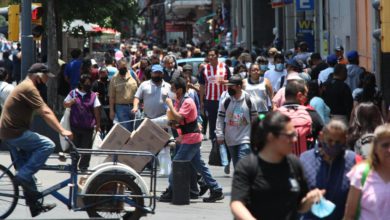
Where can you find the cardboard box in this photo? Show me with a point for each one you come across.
(148, 137)
(116, 138)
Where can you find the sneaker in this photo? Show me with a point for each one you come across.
(166, 196)
(227, 169)
(39, 208)
(215, 195)
(194, 195)
(203, 190)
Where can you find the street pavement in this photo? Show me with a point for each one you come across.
(197, 210)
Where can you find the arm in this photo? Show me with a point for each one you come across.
(352, 203)
(240, 212)
(135, 105)
(268, 86)
(111, 100)
(49, 117)
(96, 112)
(178, 117)
(220, 124)
(310, 198)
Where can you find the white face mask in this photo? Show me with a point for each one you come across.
(243, 75)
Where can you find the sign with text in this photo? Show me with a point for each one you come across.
(305, 32)
(304, 5)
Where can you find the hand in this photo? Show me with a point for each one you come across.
(313, 196)
(112, 115)
(67, 133)
(220, 141)
(134, 110)
(169, 102)
(202, 108)
(98, 129)
(200, 126)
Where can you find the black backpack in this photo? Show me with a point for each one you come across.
(247, 101)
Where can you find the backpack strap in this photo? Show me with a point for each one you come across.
(226, 103)
(282, 79)
(254, 167)
(247, 101)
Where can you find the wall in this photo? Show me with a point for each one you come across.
(364, 33)
(263, 22)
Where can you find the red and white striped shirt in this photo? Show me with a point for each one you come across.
(212, 76)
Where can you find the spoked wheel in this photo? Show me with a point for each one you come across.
(9, 193)
(114, 183)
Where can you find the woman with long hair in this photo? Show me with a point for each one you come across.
(315, 101)
(369, 194)
(269, 183)
(366, 116)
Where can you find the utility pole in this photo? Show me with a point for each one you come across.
(27, 38)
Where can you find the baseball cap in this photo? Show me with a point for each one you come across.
(157, 68)
(294, 63)
(40, 68)
(272, 50)
(352, 55)
(331, 59)
(235, 80)
(339, 48)
(187, 67)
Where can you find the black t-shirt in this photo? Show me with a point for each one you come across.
(316, 70)
(269, 191)
(338, 97)
(101, 88)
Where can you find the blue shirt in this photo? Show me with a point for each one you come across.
(331, 177)
(72, 71)
(322, 109)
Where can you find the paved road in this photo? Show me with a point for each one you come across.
(197, 210)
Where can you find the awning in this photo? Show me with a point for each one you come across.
(204, 19)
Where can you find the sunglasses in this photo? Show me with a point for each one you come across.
(290, 135)
(385, 145)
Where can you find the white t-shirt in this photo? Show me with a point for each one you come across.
(274, 77)
(5, 90)
(95, 104)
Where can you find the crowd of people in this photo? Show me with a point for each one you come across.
(295, 125)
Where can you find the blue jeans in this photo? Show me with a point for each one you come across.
(191, 152)
(123, 113)
(30, 152)
(224, 155)
(239, 151)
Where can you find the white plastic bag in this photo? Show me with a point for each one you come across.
(65, 123)
(164, 157)
(97, 141)
(161, 121)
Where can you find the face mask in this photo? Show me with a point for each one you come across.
(87, 88)
(231, 91)
(243, 75)
(263, 67)
(248, 65)
(323, 208)
(332, 151)
(122, 71)
(156, 79)
(279, 67)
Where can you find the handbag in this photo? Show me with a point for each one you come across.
(97, 140)
(215, 155)
(65, 123)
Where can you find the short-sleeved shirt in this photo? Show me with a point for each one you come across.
(72, 71)
(190, 114)
(18, 109)
(375, 200)
(274, 77)
(154, 97)
(269, 190)
(72, 94)
(111, 71)
(122, 89)
(209, 76)
(5, 90)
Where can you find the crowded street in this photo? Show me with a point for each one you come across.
(187, 110)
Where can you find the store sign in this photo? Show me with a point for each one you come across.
(280, 3)
(304, 5)
(305, 32)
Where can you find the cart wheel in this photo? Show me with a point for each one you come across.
(9, 193)
(114, 183)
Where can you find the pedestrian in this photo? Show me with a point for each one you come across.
(73, 69)
(365, 118)
(5, 87)
(369, 195)
(235, 116)
(84, 117)
(17, 64)
(317, 65)
(144, 63)
(314, 98)
(275, 74)
(325, 167)
(338, 95)
(16, 134)
(306, 120)
(269, 183)
(170, 68)
(241, 70)
(122, 89)
(7, 64)
(354, 70)
(111, 67)
(339, 51)
(100, 87)
(303, 54)
(325, 74)
(370, 93)
(212, 79)
(259, 88)
(190, 139)
(271, 57)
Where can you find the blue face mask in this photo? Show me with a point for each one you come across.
(323, 208)
(279, 67)
(263, 67)
(333, 151)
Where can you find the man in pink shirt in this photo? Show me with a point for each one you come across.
(190, 139)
